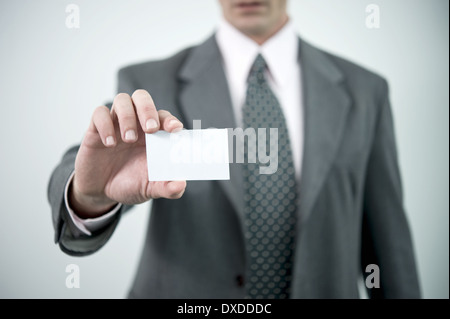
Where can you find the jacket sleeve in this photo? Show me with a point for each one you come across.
(386, 237)
(69, 238)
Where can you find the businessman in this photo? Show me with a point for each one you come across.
(333, 206)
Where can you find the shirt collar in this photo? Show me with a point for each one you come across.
(239, 52)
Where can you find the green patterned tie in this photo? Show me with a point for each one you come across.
(270, 199)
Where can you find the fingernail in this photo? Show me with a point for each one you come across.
(151, 124)
(130, 135)
(110, 140)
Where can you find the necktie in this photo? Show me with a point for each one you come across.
(270, 199)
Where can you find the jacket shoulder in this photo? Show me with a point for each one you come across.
(155, 72)
(356, 75)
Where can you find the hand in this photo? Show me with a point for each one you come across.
(111, 165)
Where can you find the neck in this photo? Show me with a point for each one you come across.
(262, 38)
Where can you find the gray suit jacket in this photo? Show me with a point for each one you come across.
(350, 213)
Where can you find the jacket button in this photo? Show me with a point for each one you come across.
(240, 281)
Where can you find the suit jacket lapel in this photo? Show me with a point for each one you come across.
(326, 104)
(204, 96)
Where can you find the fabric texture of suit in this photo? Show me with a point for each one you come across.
(350, 213)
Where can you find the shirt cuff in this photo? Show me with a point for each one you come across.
(88, 225)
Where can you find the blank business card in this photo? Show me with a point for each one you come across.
(188, 155)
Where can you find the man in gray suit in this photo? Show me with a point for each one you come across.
(340, 152)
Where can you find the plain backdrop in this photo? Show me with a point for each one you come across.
(52, 77)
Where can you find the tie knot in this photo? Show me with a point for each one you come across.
(257, 70)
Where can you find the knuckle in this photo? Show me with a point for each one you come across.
(129, 118)
(145, 108)
(155, 194)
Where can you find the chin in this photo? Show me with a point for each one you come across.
(251, 25)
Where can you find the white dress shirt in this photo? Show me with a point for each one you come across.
(281, 55)
(238, 54)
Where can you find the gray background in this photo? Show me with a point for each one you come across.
(52, 77)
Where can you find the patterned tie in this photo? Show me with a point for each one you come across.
(270, 199)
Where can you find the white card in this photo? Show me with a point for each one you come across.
(188, 155)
